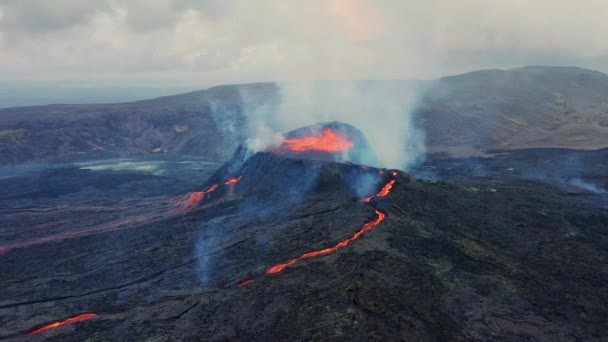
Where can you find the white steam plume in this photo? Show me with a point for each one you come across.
(382, 110)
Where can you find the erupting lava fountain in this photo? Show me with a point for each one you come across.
(331, 141)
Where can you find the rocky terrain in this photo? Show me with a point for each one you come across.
(205, 123)
(462, 115)
(157, 224)
(263, 255)
(518, 108)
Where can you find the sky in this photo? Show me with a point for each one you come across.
(209, 42)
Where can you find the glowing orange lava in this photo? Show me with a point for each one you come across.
(368, 199)
(233, 180)
(70, 320)
(386, 189)
(245, 282)
(368, 226)
(196, 197)
(328, 141)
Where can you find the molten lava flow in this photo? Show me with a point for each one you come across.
(328, 141)
(196, 197)
(386, 189)
(245, 282)
(233, 180)
(368, 226)
(148, 210)
(70, 320)
(368, 199)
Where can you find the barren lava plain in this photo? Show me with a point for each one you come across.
(464, 258)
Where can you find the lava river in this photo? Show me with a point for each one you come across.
(185, 204)
(136, 213)
(380, 216)
(70, 320)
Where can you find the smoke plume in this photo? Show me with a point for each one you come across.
(383, 111)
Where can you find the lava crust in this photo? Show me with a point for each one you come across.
(423, 262)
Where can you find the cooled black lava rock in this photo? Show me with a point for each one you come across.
(515, 261)
(345, 143)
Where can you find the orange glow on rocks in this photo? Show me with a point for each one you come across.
(196, 197)
(368, 226)
(327, 141)
(70, 320)
(386, 189)
(233, 180)
(245, 282)
(380, 216)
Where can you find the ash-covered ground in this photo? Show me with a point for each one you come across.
(150, 250)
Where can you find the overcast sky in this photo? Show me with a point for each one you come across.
(224, 41)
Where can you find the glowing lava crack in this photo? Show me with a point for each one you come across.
(70, 320)
(196, 197)
(368, 226)
(189, 203)
(380, 216)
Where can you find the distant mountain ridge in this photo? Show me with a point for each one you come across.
(462, 115)
(524, 107)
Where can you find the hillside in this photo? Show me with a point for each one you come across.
(462, 115)
(294, 249)
(203, 123)
(525, 107)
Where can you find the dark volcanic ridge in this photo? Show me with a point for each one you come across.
(261, 196)
(575, 172)
(276, 247)
(463, 115)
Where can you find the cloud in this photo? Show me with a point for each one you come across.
(241, 40)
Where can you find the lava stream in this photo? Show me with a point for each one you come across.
(184, 204)
(328, 141)
(368, 226)
(245, 282)
(196, 197)
(386, 189)
(70, 320)
(231, 182)
(234, 180)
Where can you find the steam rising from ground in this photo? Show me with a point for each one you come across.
(383, 111)
(587, 186)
